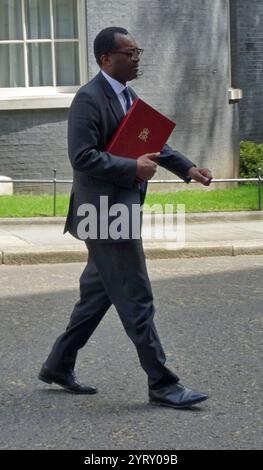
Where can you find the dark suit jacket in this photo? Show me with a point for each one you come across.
(94, 115)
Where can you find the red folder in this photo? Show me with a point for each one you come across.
(142, 130)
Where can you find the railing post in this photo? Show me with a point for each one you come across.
(55, 193)
(259, 188)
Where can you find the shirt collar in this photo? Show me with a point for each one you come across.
(118, 87)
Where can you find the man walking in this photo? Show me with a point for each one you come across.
(116, 272)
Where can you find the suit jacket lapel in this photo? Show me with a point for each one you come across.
(116, 108)
(133, 94)
(112, 97)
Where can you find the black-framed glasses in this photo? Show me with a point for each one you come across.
(131, 53)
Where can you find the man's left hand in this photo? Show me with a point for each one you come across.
(202, 175)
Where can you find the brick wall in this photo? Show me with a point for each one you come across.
(247, 64)
(33, 143)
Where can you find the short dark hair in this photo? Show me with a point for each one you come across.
(105, 41)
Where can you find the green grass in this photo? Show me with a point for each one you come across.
(26, 205)
(244, 197)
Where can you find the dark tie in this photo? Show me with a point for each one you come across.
(127, 99)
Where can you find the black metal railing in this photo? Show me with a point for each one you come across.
(54, 181)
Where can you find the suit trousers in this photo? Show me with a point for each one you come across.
(116, 273)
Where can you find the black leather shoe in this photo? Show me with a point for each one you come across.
(67, 381)
(177, 397)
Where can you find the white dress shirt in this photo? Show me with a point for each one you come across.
(118, 87)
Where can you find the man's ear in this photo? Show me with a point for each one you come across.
(105, 60)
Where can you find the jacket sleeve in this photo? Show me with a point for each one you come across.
(175, 162)
(84, 143)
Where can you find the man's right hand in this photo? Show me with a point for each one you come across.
(146, 166)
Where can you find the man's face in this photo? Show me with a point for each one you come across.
(122, 63)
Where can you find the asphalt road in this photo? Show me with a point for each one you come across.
(208, 316)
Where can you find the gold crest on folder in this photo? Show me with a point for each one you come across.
(144, 134)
